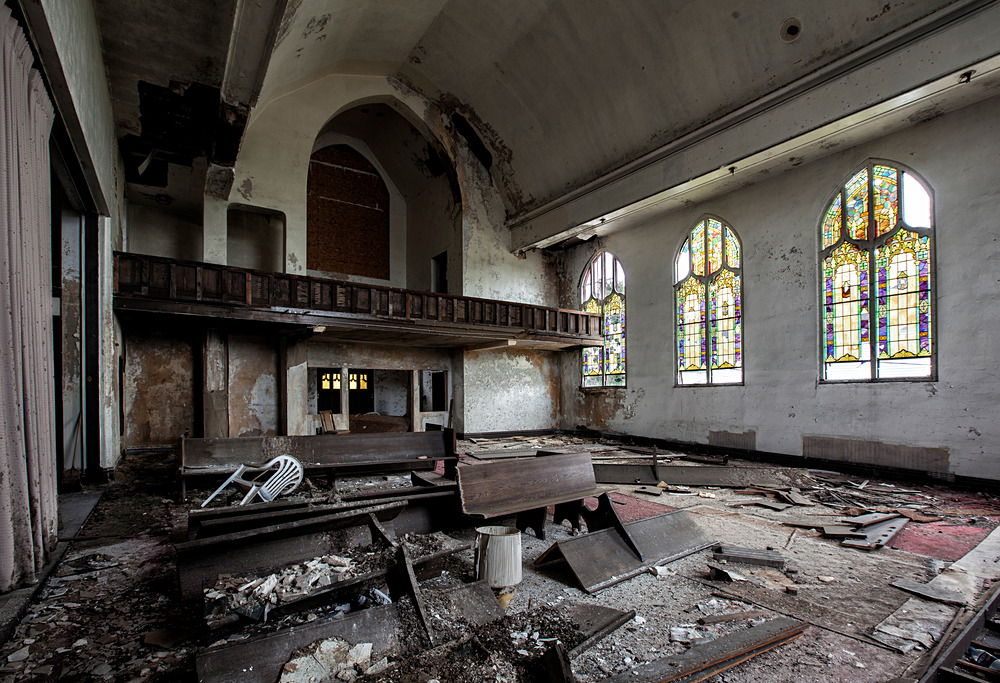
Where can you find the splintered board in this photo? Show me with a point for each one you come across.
(691, 475)
(261, 659)
(704, 661)
(603, 558)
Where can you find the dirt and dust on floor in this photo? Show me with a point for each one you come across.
(877, 573)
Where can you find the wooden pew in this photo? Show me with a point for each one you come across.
(323, 453)
(526, 487)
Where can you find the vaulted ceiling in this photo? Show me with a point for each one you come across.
(562, 92)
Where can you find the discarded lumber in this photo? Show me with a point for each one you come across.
(261, 659)
(764, 558)
(596, 620)
(704, 661)
(604, 558)
(735, 616)
(264, 547)
(931, 592)
(691, 475)
(841, 532)
(870, 518)
(877, 535)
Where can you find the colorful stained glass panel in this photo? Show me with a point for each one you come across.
(691, 326)
(714, 245)
(732, 249)
(725, 321)
(885, 199)
(903, 301)
(831, 223)
(698, 249)
(845, 310)
(857, 206)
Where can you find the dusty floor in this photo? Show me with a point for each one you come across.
(111, 610)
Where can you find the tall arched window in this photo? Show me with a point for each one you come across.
(603, 291)
(877, 245)
(708, 295)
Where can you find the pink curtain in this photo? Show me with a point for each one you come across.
(28, 504)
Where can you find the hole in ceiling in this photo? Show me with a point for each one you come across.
(791, 29)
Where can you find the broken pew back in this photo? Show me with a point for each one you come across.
(321, 453)
(500, 489)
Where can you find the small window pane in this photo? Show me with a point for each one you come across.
(683, 264)
(714, 245)
(886, 204)
(916, 203)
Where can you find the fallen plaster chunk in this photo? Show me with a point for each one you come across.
(18, 656)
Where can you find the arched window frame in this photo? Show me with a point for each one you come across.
(715, 331)
(605, 366)
(842, 243)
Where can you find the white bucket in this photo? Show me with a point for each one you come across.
(498, 555)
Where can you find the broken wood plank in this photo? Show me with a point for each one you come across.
(764, 558)
(841, 532)
(596, 621)
(649, 490)
(257, 549)
(796, 498)
(877, 535)
(691, 475)
(871, 518)
(555, 665)
(735, 616)
(931, 592)
(704, 661)
(261, 659)
(603, 558)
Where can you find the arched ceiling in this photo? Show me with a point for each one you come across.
(564, 91)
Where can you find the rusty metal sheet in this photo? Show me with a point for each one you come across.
(603, 558)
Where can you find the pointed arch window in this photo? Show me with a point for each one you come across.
(603, 291)
(877, 264)
(708, 299)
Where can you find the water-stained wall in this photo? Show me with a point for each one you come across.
(159, 383)
(945, 425)
(254, 398)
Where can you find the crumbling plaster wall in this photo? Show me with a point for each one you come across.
(254, 398)
(510, 390)
(782, 401)
(160, 375)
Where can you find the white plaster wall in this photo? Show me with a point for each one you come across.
(510, 390)
(782, 400)
(74, 30)
(160, 233)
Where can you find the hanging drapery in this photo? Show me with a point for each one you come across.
(28, 504)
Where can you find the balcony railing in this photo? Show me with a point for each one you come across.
(241, 290)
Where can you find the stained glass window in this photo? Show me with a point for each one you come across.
(876, 269)
(708, 299)
(603, 292)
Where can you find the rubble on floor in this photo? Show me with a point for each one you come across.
(112, 610)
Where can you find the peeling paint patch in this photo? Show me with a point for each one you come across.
(629, 410)
(159, 389)
(246, 188)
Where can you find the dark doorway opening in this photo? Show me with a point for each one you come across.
(361, 392)
(328, 395)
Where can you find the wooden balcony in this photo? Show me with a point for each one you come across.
(338, 310)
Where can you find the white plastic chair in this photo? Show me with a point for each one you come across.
(286, 475)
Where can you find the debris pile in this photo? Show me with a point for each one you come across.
(256, 597)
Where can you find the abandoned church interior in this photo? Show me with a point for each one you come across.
(540, 340)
